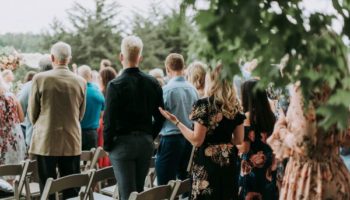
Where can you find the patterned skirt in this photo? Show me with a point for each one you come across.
(214, 172)
(317, 180)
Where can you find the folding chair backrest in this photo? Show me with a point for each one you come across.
(156, 193)
(101, 175)
(180, 187)
(72, 181)
(86, 158)
(19, 170)
(11, 170)
(33, 170)
(96, 176)
(99, 153)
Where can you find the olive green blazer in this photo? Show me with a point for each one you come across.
(56, 106)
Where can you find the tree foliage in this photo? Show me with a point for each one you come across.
(93, 34)
(281, 34)
(23, 42)
(162, 33)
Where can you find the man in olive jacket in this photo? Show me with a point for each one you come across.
(56, 106)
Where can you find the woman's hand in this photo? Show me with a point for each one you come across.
(172, 118)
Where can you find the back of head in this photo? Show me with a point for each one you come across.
(85, 72)
(196, 72)
(175, 62)
(105, 63)
(156, 73)
(107, 74)
(7, 75)
(255, 102)
(45, 63)
(223, 93)
(131, 49)
(61, 52)
(29, 76)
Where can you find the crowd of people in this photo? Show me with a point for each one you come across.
(230, 137)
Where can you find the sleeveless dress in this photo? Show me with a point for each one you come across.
(315, 169)
(214, 169)
(12, 144)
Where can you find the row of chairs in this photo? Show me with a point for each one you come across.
(26, 185)
(88, 181)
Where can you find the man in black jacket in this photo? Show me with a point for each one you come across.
(132, 119)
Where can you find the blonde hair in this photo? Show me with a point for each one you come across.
(223, 93)
(131, 48)
(196, 72)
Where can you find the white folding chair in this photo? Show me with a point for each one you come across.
(68, 182)
(97, 177)
(156, 193)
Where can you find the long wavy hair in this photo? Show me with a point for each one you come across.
(107, 74)
(255, 102)
(223, 93)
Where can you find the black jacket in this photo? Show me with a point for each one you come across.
(132, 103)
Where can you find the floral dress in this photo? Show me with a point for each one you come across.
(315, 169)
(12, 145)
(256, 179)
(214, 170)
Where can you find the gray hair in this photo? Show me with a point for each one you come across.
(45, 63)
(157, 73)
(61, 51)
(131, 48)
(85, 72)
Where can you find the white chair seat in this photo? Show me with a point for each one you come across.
(108, 190)
(98, 196)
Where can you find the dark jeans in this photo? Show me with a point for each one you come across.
(67, 165)
(173, 154)
(89, 139)
(130, 158)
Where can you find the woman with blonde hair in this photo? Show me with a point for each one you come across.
(12, 146)
(195, 74)
(218, 128)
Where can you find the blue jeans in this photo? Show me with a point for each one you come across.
(130, 158)
(173, 154)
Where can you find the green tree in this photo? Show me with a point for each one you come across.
(280, 33)
(23, 42)
(162, 33)
(93, 36)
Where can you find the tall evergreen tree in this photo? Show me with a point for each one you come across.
(93, 35)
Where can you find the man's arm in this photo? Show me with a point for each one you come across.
(83, 105)
(23, 98)
(110, 116)
(158, 117)
(34, 102)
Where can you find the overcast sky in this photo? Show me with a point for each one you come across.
(36, 15)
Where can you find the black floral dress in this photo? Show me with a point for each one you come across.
(256, 180)
(214, 169)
